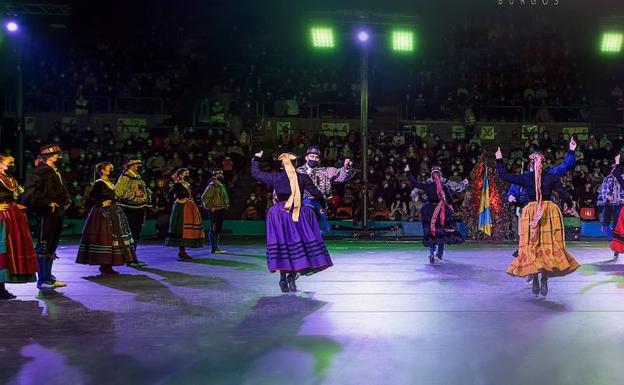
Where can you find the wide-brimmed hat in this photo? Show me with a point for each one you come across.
(132, 162)
(314, 150)
(50, 149)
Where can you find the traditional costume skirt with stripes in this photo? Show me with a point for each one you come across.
(445, 234)
(617, 243)
(106, 238)
(18, 260)
(185, 226)
(544, 251)
(295, 246)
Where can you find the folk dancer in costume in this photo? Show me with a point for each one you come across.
(106, 237)
(437, 214)
(294, 242)
(18, 259)
(610, 201)
(323, 177)
(617, 242)
(134, 198)
(541, 248)
(216, 200)
(518, 196)
(47, 197)
(185, 224)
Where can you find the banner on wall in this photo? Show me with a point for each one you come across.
(281, 126)
(335, 129)
(529, 130)
(458, 132)
(488, 132)
(581, 133)
(131, 125)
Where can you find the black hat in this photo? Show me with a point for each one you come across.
(50, 149)
(314, 150)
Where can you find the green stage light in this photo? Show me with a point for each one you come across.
(611, 42)
(322, 37)
(403, 41)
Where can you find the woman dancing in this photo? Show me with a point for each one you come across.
(294, 242)
(18, 259)
(185, 225)
(437, 214)
(106, 237)
(541, 248)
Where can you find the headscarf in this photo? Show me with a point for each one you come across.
(537, 159)
(294, 200)
(440, 209)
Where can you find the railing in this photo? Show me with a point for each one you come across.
(140, 105)
(567, 114)
(495, 112)
(95, 104)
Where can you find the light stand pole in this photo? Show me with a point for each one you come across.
(364, 129)
(13, 29)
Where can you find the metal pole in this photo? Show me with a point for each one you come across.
(364, 130)
(20, 115)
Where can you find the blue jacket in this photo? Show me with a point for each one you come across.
(522, 197)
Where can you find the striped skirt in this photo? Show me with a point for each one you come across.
(106, 238)
(18, 260)
(185, 226)
(295, 246)
(546, 250)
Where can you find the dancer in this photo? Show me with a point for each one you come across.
(323, 177)
(18, 259)
(106, 237)
(294, 242)
(617, 241)
(47, 197)
(518, 196)
(541, 248)
(134, 198)
(185, 224)
(437, 214)
(215, 199)
(610, 200)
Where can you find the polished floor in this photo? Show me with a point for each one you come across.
(381, 315)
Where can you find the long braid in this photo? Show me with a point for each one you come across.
(440, 209)
(538, 160)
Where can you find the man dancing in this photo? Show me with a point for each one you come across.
(323, 177)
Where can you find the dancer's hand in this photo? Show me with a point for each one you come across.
(348, 163)
(572, 144)
(617, 159)
(511, 199)
(499, 153)
(53, 206)
(21, 207)
(4, 206)
(407, 168)
(259, 154)
(465, 181)
(106, 203)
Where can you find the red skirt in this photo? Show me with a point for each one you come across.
(18, 259)
(617, 243)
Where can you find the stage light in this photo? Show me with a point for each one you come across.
(363, 36)
(11, 26)
(402, 40)
(322, 37)
(611, 42)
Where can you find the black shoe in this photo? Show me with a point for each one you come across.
(6, 295)
(515, 254)
(439, 255)
(291, 282)
(284, 286)
(431, 258)
(536, 286)
(544, 289)
(615, 255)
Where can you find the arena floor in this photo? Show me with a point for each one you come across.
(381, 315)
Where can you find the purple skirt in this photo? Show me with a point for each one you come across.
(295, 246)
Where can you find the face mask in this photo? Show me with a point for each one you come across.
(10, 170)
(313, 163)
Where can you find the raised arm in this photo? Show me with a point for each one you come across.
(569, 162)
(502, 171)
(342, 174)
(617, 171)
(413, 182)
(262, 176)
